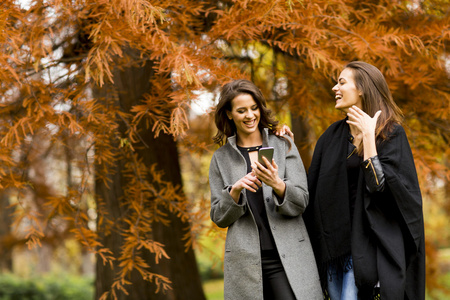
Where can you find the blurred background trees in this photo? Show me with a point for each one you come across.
(105, 131)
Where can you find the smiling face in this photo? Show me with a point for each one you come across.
(245, 114)
(346, 92)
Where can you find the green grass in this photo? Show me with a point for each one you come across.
(213, 289)
(440, 295)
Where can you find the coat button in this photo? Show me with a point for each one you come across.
(282, 255)
(267, 199)
(273, 227)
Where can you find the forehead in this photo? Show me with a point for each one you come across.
(347, 74)
(242, 100)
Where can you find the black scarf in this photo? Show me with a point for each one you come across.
(386, 235)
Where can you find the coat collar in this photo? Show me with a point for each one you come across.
(265, 136)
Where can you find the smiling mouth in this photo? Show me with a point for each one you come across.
(338, 97)
(250, 123)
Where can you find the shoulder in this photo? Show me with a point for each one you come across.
(395, 144)
(397, 130)
(338, 125)
(395, 134)
(223, 149)
(284, 142)
(332, 130)
(222, 152)
(221, 161)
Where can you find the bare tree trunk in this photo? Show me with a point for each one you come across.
(181, 268)
(301, 130)
(5, 233)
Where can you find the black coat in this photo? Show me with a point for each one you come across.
(386, 235)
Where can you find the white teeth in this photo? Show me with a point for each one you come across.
(338, 97)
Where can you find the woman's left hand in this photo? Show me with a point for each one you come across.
(269, 175)
(284, 130)
(358, 118)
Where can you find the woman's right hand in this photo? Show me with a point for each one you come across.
(249, 182)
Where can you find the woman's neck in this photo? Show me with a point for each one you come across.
(354, 130)
(255, 139)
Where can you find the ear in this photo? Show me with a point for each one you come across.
(229, 115)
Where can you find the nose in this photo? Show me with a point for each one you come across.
(249, 114)
(335, 88)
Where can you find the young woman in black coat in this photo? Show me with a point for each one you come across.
(365, 215)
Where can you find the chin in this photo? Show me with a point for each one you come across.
(342, 109)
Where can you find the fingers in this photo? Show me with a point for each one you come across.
(271, 165)
(284, 130)
(377, 114)
(274, 164)
(352, 123)
(357, 111)
(288, 131)
(267, 175)
(251, 188)
(251, 182)
(279, 132)
(263, 168)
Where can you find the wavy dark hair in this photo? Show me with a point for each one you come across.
(375, 96)
(231, 90)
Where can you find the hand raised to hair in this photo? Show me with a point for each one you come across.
(358, 118)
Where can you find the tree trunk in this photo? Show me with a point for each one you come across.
(301, 130)
(5, 233)
(181, 268)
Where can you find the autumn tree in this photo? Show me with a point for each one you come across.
(73, 72)
(109, 84)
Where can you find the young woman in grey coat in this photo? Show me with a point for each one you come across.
(268, 254)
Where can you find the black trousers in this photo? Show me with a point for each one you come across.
(275, 283)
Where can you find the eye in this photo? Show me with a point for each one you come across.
(255, 107)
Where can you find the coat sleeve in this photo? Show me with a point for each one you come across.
(224, 210)
(400, 173)
(296, 196)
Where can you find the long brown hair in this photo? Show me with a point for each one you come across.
(375, 96)
(231, 90)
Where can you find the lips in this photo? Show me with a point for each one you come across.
(250, 123)
(338, 97)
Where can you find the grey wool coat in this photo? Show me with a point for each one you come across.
(242, 265)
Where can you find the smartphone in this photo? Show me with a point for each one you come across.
(267, 152)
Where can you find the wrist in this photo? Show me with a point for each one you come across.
(234, 190)
(235, 193)
(280, 186)
(368, 134)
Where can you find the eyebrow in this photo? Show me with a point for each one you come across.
(245, 107)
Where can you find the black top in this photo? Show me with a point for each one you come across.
(256, 203)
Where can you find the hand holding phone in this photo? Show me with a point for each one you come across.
(267, 152)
